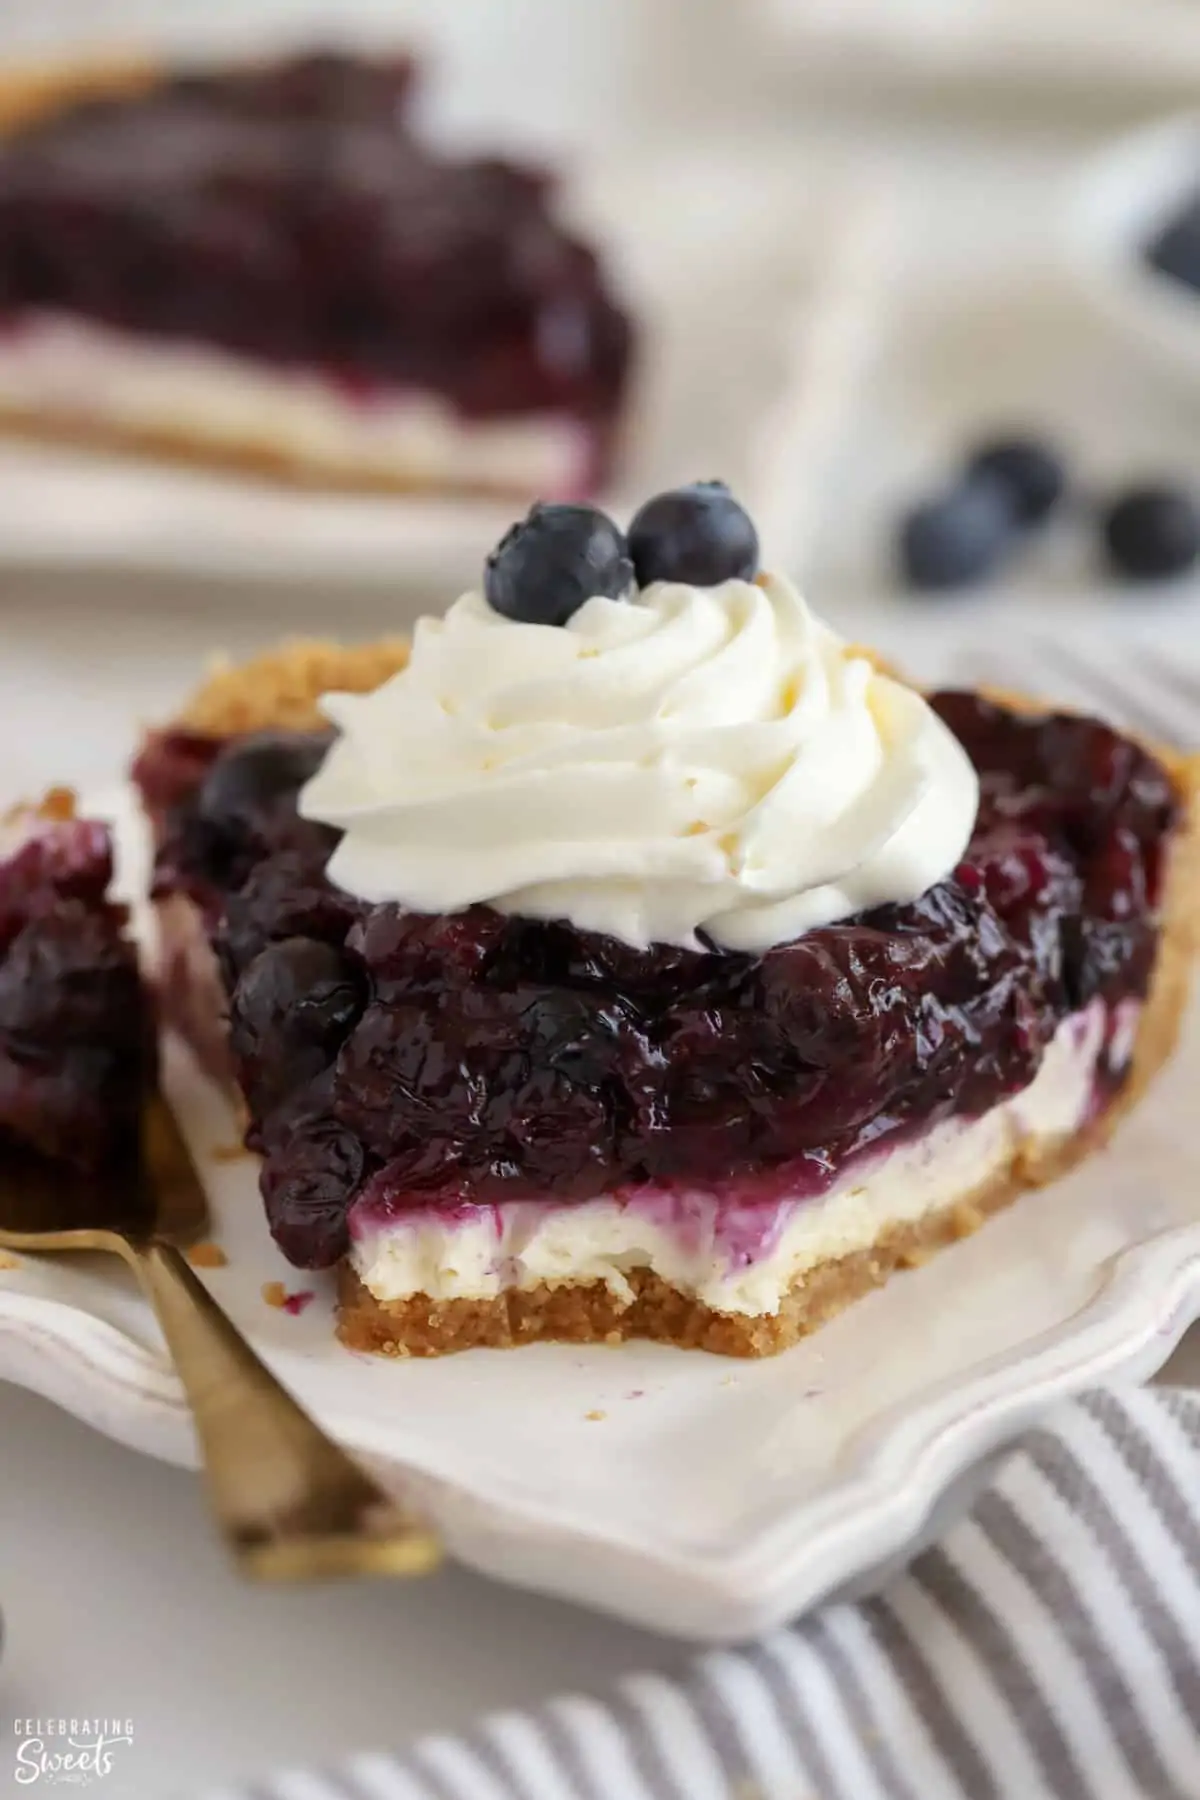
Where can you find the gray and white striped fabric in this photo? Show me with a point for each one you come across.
(1047, 1649)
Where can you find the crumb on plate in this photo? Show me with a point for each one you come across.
(207, 1256)
(58, 804)
(276, 1294)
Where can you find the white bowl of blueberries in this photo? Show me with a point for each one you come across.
(1133, 239)
(1133, 236)
(1006, 492)
(1134, 243)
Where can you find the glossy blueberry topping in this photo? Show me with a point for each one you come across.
(76, 1035)
(63, 979)
(292, 1008)
(550, 562)
(1032, 474)
(1152, 533)
(957, 538)
(308, 1182)
(253, 775)
(241, 804)
(479, 1057)
(325, 85)
(68, 860)
(697, 534)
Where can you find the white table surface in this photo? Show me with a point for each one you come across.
(115, 1599)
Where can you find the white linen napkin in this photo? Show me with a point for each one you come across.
(1048, 1648)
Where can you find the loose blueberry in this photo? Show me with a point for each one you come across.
(958, 538)
(698, 534)
(256, 774)
(1032, 475)
(1152, 533)
(545, 567)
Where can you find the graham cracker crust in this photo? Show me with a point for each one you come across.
(266, 459)
(33, 90)
(280, 690)
(590, 1313)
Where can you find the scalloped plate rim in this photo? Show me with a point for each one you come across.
(1147, 1296)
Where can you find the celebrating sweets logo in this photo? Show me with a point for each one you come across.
(70, 1752)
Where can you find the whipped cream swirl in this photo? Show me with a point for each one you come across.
(689, 761)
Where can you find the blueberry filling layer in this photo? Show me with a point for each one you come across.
(76, 1043)
(288, 214)
(742, 1246)
(474, 1058)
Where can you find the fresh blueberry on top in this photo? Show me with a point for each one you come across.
(1033, 475)
(255, 774)
(547, 565)
(1152, 532)
(956, 538)
(698, 534)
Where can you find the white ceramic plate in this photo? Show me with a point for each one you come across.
(690, 1493)
(1123, 198)
(790, 304)
(1081, 45)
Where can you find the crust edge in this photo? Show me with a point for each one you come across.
(269, 460)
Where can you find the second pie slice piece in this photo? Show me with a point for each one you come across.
(264, 268)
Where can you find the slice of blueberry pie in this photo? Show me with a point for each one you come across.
(77, 1049)
(633, 957)
(265, 267)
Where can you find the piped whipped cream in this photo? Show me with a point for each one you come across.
(687, 761)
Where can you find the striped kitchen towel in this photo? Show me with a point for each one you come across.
(1047, 1649)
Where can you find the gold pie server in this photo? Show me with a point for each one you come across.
(291, 1504)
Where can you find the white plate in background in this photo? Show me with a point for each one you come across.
(1085, 45)
(757, 300)
(1012, 316)
(690, 1493)
(1121, 200)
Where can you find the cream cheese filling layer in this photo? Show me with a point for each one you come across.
(480, 1252)
(69, 370)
